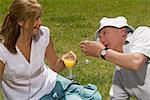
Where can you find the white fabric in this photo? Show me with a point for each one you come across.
(116, 22)
(134, 83)
(23, 80)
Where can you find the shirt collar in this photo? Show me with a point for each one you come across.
(127, 40)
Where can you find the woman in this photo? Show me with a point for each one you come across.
(25, 44)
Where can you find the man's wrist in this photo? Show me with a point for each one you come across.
(103, 53)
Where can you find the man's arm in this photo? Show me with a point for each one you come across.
(133, 61)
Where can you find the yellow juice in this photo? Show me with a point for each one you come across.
(69, 63)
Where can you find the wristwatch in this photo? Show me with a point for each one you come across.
(103, 53)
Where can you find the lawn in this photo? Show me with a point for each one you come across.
(72, 21)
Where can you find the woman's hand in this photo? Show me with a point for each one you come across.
(69, 56)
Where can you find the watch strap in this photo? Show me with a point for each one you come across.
(103, 56)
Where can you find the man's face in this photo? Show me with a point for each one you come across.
(112, 38)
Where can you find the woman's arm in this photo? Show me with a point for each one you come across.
(2, 66)
(54, 62)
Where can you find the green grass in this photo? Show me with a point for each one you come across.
(71, 21)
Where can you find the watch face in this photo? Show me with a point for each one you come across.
(103, 52)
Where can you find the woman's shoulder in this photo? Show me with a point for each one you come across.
(3, 48)
(3, 52)
(44, 35)
(44, 29)
(2, 45)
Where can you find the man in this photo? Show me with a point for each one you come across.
(129, 50)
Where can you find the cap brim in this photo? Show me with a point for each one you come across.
(131, 28)
(97, 35)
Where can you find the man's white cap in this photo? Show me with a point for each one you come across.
(117, 22)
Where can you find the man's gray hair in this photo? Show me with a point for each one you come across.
(128, 30)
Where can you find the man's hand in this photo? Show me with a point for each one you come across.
(91, 48)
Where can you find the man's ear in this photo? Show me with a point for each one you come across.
(123, 32)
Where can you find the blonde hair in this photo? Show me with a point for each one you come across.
(20, 10)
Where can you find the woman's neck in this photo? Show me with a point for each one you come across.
(24, 39)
